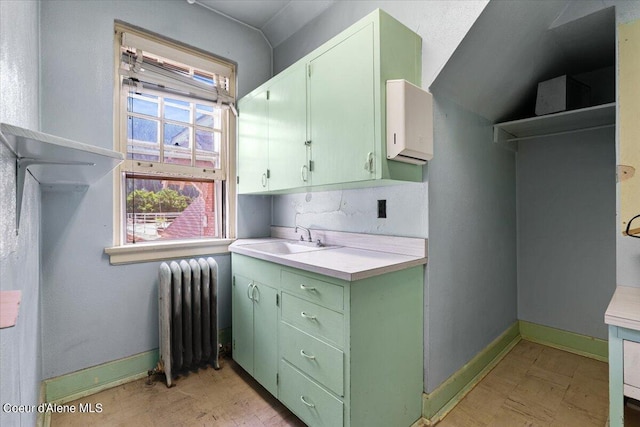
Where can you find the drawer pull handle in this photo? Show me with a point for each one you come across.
(310, 405)
(308, 316)
(307, 288)
(308, 356)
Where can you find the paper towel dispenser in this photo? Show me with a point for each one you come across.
(409, 123)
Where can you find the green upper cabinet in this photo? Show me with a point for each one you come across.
(253, 148)
(287, 119)
(325, 116)
(341, 110)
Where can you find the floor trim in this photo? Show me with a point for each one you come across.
(85, 382)
(572, 342)
(438, 403)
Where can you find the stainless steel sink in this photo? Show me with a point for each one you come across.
(286, 247)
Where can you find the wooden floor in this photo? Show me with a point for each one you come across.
(533, 385)
(227, 397)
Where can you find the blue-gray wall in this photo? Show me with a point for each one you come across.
(471, 294)
(566, 230)
(20, 349)
(93, 312)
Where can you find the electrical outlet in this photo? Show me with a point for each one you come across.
(382, 208)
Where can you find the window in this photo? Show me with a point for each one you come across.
(176, 123)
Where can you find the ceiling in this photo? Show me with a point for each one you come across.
(513, 46)
(276, 19)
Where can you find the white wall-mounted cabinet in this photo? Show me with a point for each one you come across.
(409, 123)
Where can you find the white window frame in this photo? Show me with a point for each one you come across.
(142, 166)
(123, 253)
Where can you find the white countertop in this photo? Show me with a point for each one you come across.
(341, 262)
(624, 308)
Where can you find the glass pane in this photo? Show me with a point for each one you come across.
(143, 107)
(204, 120)
(142, 129)
(142, 139)
(201, 107)
(160, 209)
(176, 102)
(203, 77)
(177, 135)
(176, 113)
(177, 144)
(208, 149)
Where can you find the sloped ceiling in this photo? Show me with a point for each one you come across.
(277, 19)
(513, 45)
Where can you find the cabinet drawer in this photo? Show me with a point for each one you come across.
(307, 399)
(318, 291)
(315, 358)
(313, 319)
(632, 363)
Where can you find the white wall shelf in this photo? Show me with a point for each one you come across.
(599, 116)
(55, 162)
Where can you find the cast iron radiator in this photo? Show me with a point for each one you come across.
(187, 301)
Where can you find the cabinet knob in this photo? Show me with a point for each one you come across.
(304, 173)
(306, 287)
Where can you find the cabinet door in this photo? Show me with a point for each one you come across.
(242, 321)
(288, 130)
(253, 148)
(629, 109)
(265, 325)
(341, 110)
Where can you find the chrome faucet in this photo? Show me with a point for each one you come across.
(308, 233)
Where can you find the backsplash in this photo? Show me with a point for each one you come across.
(356, 210)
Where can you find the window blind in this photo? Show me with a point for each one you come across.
(172, 126)
(143, 64)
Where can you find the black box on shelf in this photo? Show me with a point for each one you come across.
(561, 94)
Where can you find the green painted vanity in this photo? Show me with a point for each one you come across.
(335, 351)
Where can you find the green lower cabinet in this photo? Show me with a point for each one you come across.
(308, 399)
(242, 321)
(312, 355)
(348, 353)
(255, 322)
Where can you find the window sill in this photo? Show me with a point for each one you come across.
(144, 252)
